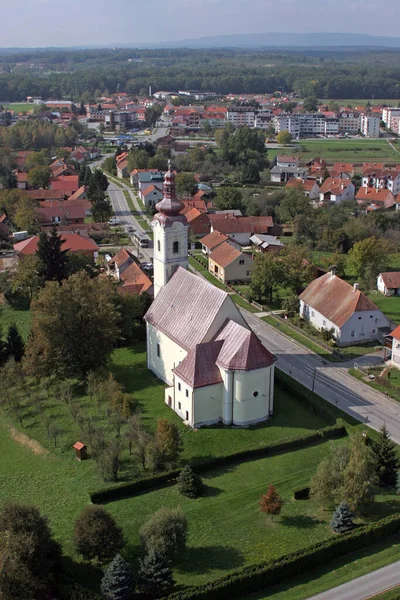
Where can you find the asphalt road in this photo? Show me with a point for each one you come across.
(125, 218)
(330, 380)
(365, 587)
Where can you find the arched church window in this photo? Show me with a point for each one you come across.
(158, 245)
(175, 248)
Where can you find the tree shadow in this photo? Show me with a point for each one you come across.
(300, 521)
(208, 558)
(86, 574)
(210, 491)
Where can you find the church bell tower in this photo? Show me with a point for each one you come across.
(170, 234)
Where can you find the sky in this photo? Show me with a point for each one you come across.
(34, 23)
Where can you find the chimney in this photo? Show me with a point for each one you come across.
(332, 270)
(356, 287)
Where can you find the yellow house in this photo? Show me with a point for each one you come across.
(229, 264)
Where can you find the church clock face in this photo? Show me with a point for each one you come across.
(167, 189)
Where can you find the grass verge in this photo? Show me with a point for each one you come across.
(392, 393)
(335, 573)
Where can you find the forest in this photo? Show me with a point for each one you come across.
(79, 74)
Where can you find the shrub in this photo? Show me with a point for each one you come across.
(165, 532)
(342, 520)
(302, 494)
(189, 483)
(96, 534)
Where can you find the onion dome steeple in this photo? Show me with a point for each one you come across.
(169, 207)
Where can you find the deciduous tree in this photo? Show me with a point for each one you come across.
(271, 503)
(228, 198)
(368, 258)
(168, 441)
(96, 534)
(165, 532)
(74, 328)
(284, 137)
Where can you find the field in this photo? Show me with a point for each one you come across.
(19, 106)
(354, 151)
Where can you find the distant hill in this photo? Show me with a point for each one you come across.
(281, 40)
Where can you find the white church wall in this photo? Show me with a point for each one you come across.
(183, 400)
(208, 405)
(163, 354)
(165, 259)
(253, 396)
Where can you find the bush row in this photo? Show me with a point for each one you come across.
(256, 577)
(147, 483)
(311, 400)
(302, 494)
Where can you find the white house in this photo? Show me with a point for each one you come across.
(198, 342)
(310, 187)
(331, 303)
(395, 358)
(381, 177)
(389, 283)
(287, 167)
(335, 190)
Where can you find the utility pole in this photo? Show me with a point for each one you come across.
(314, 376)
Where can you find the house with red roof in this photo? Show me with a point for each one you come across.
(212, 240)
(331, 303)
(65, 212)
(69, 184)
(228, 264)
(199, 222)
(72, 242)
(342, 170)
(371, 198)
(335, 190)
(309, 186)
(125, 269)
(150, 194)
(380, 177)
(122, 169)
(48, 195)
(389, 283)
(22, 180)
(240, 228)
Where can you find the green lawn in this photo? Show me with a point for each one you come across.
(21, 318)
(207, 275)
(226, 528)
(336, 573)
(354, 151)
(19, 106)
(390, 306)
(301, 339)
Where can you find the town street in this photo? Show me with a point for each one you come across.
(365, 587)
(330, 380)
(126, 219)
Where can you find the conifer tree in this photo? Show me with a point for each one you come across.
(398, 482)
(14, 346)
(386, 458)
(118, 582)
(189, 483)
(52, 260)
(155, 576)
(342, 520)
(82, 173)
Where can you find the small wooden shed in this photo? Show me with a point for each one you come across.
(80, 451)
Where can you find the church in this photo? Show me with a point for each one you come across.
(198, 342)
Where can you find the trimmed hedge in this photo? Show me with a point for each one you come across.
(302, 494)
(148, 483)
(257, 577)
(314, 402)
